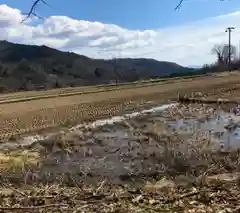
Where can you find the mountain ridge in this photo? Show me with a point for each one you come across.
(32, 67)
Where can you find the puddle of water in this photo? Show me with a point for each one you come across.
(113, 152)
(109, 154)
(217, 126)
(13, 145)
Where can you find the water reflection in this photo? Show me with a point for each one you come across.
(222, 126)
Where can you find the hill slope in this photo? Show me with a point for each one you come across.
(26, 67)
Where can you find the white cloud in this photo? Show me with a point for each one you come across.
(189, 44)
(9, 16)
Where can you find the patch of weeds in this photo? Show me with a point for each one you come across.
(18, 161)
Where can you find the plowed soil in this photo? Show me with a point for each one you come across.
(29, 116)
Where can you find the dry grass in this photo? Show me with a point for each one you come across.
(33, 95)
(118, 199)
(62, 92)
(18, 161)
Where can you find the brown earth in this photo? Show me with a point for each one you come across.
(29, 116)
(141, 165)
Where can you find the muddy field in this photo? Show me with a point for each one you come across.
(26, 116)
(149, 153)
(171, 158)
(137, 147)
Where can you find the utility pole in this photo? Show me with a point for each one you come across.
(115, 70)
(229, 30)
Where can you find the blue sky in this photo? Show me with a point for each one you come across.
(126, 28)
(134, 14)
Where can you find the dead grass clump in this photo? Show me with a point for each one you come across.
(18, 161)
(54, 142)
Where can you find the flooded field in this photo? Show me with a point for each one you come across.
(168, 158)
(138, 146)
(221, 127)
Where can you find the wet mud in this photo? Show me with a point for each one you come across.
(140, 147)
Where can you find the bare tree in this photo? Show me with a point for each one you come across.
(218, 51)
(221, 51)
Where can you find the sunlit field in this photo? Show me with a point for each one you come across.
(156, 148)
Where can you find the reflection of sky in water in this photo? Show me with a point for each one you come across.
(184, 126)
(215, 125)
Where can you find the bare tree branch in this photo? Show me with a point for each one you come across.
(36, 2)
(32, 9)
(179, 4)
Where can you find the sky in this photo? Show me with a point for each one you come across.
(126, 28)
